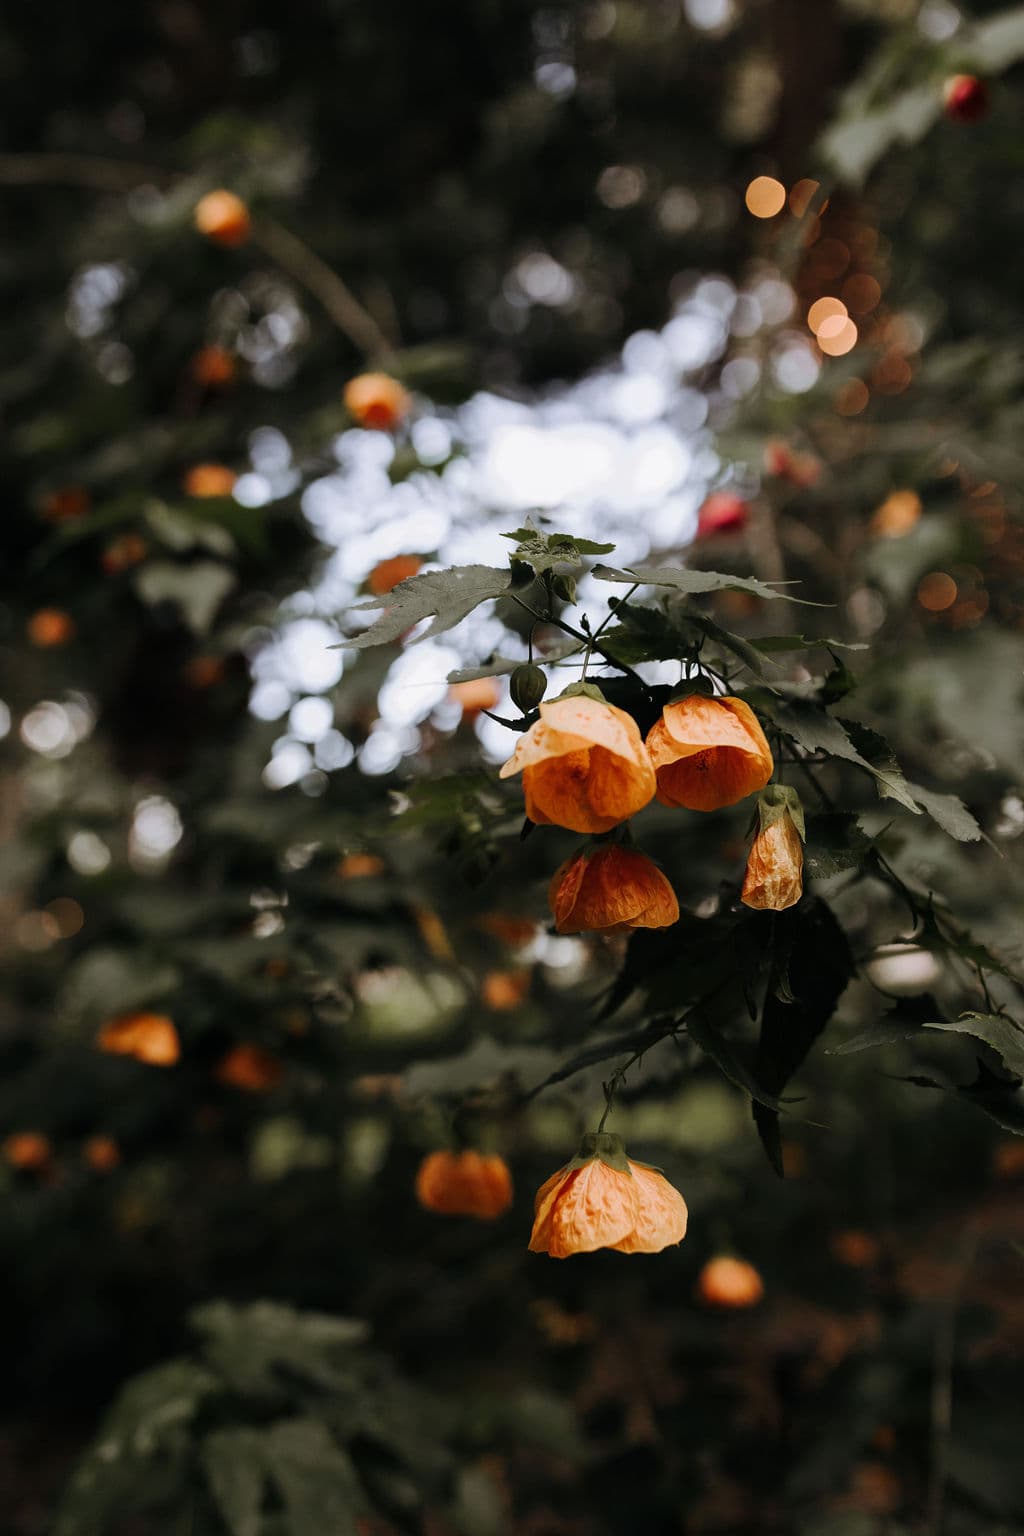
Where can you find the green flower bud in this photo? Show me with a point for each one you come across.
(527, 686)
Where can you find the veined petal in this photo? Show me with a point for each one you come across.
(661, 1217)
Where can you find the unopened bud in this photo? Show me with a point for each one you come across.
(527, 686)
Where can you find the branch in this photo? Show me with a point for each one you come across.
(291, 254)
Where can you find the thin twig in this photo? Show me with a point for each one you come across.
(291, 254)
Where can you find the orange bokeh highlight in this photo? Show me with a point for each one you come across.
(825, 309)
(765, 197)
(937, 591)
(837, 336)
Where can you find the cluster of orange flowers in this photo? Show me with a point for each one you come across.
(586, 767)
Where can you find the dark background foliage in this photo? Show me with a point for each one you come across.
(421, 154)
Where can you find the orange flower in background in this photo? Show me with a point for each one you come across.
(102, 1153)
(602, 1199)
(50, 627)
(723, 512)
(149, 1037)
(123, 553)
(708, 753)
(214, 367)
(250, 1068)
(466, 1183)
(376, 400)
(729, 1283)
(388, 573)
(610, 889)
(774, 876)
(29, 1151)
(583, 764)
(503, 991)
(360, 866)
(478, 694)
(65, 504)
(896, 515)
(802, 470)
(223, 218)
(209, 480)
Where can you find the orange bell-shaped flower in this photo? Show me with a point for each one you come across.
(466, 1183)
(149, 1037)
(602, 1199)
(250, 1068)
(729, 1283)
(584, 765)
(609, 889)
(708, 753)
(376, 401)
(774, 875)
(28, 1150)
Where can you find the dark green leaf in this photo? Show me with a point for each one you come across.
(1000, 1033)
(233, 1462)
(546, 550)
(316, 1479)
(705, 1034)
(948, 812)
(835, 842)
(809, 944)
(691, 582)
(447, 595)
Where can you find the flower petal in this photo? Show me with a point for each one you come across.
(661, 1217)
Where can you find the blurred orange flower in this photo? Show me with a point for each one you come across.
(65, 504)
(102, 1153)
(610, 889)
(708, 753)
(503, 991)
(466, 1183)
(376, 400)
(584, 765)
(223, 218)
(149, 1037)
(388, 573)
(729, 1283)
(360, 866)
(801, 469)
(475, 696)
(602, 1199)
(896, 515)
(213, 367)
(723, 512)
(209, 480)
(28, 1150)
(250, 1068)
(50, 627)
(774, 876)
(124, 552)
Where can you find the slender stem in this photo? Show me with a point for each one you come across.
(585, 639)
(613, 612)
(292, 255)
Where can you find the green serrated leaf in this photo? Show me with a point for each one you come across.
(835, 842)
(691, 582)
(772, 643)
(948, 812)
(1002, 1034)
(810, 727)
(546, 550)
(448, 596)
